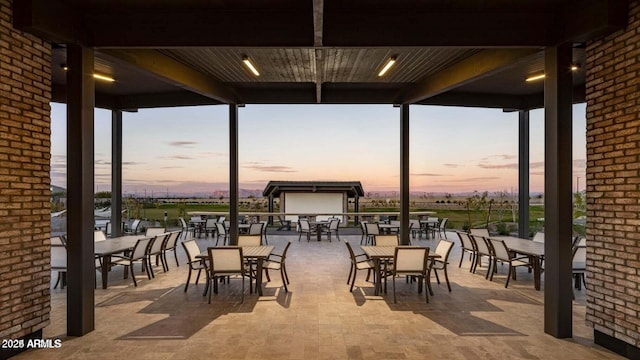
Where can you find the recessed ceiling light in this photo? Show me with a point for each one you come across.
(574, 67)
(387, 65)
(247, 62)
(95, 76)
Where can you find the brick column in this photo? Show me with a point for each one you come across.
(25, 221)
(613, 191)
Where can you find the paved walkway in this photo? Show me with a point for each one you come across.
(319, 318)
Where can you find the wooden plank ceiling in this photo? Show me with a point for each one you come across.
(189, 52)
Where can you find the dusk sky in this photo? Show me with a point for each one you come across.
(185, 149)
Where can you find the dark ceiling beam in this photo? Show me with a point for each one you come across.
(167, 24)
(469, 24)
(173, 71)
(585, 20)
(49, 19)
(138, 101)
(102, 101)
(407, 27)
(482, 64)
(165, 99)
(318, 8)
(507, 102)
(279, 95)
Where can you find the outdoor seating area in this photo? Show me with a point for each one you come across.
(309, 311)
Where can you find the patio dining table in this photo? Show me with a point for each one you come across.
(105, 248)
(319, 225)
(388, 228)
(380, 254)
(534, 250)
(259, 253)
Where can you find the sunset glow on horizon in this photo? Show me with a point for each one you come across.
(185, 149)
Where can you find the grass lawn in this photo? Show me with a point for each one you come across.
(457, 218)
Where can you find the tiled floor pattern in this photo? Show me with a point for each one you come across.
(319, 318)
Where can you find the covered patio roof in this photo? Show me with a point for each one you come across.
(352, 188)
(190, 52)
(459, 52)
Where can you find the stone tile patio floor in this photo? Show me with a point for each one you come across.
(319, 318)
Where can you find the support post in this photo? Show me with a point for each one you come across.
(270, 209)
(523, 174)
(116, 173)
(233, 174)
(558, 191)
(404, 174)
(80, 216)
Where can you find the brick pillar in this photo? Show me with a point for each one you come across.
(25, 223)
(613, 187)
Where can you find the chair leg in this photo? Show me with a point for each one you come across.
(446, 277)
(355, 273)
(509, 275)
(435, 271)
(57, 281)
(210, 290)
(135, 283)
(188, 279)
(150, 268)
(242, 300)
(284, 268)
(350, 273)
(284, 283)
(394, 289)
(428, 289)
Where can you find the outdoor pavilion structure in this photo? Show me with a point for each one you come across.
(458, 53)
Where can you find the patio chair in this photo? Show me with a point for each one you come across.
(431, 226)
(364, 239)
(305, 228)
(284, 223)
(153, 231)
(192, 250)
(249, 240)
(358, 262)
(99, 235)
(276, 261)
(133, 229)
(480, 232)
(264, 231)
(414, 227)
(332, 228)
(502, 254)
(155, 249)
(443, 249)
(411, 261)
(210, 227)
(221, 233)
(482, 249)
(255, 229)
(372, 230)
(137, 255)
(442, 228)
(386, 240)
(538, 237)
(186, 228)
(59, 260)
(468, 246)
(223, 263)
(170, 245)
(579, 265)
